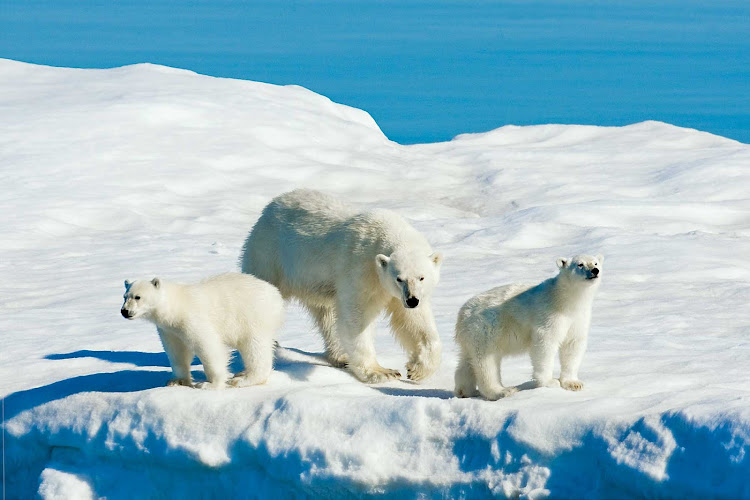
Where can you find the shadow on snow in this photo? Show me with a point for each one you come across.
(296, 363)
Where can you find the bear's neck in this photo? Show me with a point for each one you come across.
(567, 296)
(171, 313)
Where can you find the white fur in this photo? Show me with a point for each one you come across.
(229, 310)
(346, 268)
(542, 320)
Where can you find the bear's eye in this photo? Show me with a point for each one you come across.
(137, 297)
(421, 278)
(399, 280)
(580, 265)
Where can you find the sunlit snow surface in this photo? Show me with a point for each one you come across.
(148, 171)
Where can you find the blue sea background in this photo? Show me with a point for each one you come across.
(429, 70)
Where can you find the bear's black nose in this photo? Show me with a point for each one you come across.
(125, 313)
(412, 302)
(595, 271)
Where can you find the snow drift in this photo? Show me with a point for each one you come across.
(152, 171)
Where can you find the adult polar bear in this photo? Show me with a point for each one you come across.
(346, 268)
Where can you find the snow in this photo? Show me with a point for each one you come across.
(146, 171)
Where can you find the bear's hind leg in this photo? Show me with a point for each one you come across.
(486, 371)
(466, 382)
(257, 356)
(325, 319)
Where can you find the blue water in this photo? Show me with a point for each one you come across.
(429, 70)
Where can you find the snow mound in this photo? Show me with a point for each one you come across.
(145, 170)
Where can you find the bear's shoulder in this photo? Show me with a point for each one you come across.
(499, 295)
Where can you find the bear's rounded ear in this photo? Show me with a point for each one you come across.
(382, 260)
(562, 262)
(600, 259)
(127, 284)
(155, 282)
(437, 258)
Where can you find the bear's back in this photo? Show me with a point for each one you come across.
(307, 211)
(231, 301)
(497, 296)
(486, 307)
(230, 291)
(384, 231)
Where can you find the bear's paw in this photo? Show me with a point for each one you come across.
(179, 381)
(376, 375)
(571, 385)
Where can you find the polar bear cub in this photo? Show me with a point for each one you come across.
(204, 319)
(551, 317)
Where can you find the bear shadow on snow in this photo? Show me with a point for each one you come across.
(137, 358)
(436, 393)
(422, 393)
(141, 380)
(121, 381)
(298, 365)
(132, 357)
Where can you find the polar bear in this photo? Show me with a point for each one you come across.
(346, 267)
(229, 310)
(541, 320)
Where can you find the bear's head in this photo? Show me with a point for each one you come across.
(142, 297)
(407, 276)
(584, 269)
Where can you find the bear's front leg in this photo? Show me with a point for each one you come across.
(416, 331)
(180, 356)
(356, 331)
(172, 382)
(215, 358)
(543, 361)
(571, 356)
